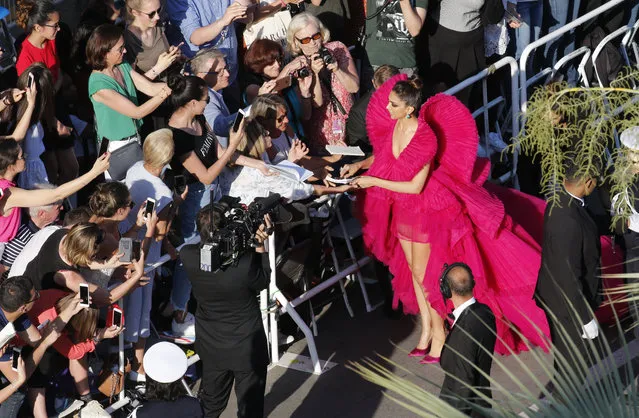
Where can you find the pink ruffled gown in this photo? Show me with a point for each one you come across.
(460, 219)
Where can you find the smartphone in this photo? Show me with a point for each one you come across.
(84, 294)
(150, 206)
(15, 358)
(283, 83)
(511, 17)
(238, 120)
(31, 80)
(136, 247)
(126, 247)
(104, 146)
(179, 184)
(117, 317)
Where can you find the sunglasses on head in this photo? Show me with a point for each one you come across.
(314, 37)
(152, 14)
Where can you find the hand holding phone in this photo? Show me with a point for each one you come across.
(84, 295)
(149, 208)
(15, 358)
(31, 80)
(238, 120)
(117, 317)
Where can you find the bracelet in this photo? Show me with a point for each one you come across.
(153, 70)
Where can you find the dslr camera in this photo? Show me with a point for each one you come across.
(326, 56)
(236, 233)
(302, 72)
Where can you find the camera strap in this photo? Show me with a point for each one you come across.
(337, 106)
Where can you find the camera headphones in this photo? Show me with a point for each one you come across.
(444, 285)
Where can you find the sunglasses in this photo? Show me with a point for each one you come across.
(315, 37)
(152, 14)
(131, 204)
(207, 99)
(36, 296)
(281, 119)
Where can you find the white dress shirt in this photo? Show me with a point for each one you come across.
(458, 310)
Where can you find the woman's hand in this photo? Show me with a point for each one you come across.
(167, 58)
(512, 8)
(317, 63)
(267, 87)
(298, 151)
(364, 182)
(181, 198)
(333, 67)
(297, 63)
(265, 170)
(349, 170)
(108, 333)
(140, 219)
(101, 164)
(16, 95)
(113, 262)
(151, 223)
(32, 95)
(22, 374)
(236, 136)
(305, 84)
(165, 92)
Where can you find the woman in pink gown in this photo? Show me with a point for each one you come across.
(424, 205)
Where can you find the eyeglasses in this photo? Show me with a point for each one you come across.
(131, 204)
(314, 37)
(226, 68)
(207, 99)
(120, 49)
(36, 296)
(55, 26)
(152, 14)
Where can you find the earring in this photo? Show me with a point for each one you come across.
(408, 116)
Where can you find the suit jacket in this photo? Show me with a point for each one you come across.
(228, 322)
(478, 321)
(570, 259)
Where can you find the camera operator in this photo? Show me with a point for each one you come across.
(230, 337)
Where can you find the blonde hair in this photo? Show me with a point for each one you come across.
(252, 143)
(82, 243)
(267, 105)
(298, 23)
(132, 5)
(203, 55)
(159, 148)
(83, 323)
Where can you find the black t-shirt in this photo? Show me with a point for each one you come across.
(228, 322)
(204, 146)
(48, 262)
(183, 407)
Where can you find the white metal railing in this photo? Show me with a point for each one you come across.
(523, 96)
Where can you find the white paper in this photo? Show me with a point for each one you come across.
(339, 181)
(7, 333)
(341, 150)
(291, 170)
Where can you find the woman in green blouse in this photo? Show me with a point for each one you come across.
(112, 86)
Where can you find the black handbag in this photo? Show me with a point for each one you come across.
(123, 158)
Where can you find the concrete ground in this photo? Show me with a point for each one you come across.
(340, 392)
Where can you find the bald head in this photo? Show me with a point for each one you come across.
(461, 281)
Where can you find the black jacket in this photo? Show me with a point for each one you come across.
(461, 353)
(356, 134)
(228, 322)
(570, 260)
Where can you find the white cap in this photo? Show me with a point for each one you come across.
(630, 138)
(165, 362)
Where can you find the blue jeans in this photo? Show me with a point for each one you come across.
(531, 13)
(199, 195)
(558, 13)
(11, 406)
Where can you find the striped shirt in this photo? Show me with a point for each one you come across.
(15, 246)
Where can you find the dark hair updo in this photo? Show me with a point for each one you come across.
(410, 92)
(185, 88)
(108, 198)
(33, 12)
(9, 153)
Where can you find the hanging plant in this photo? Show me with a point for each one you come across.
(577, 123)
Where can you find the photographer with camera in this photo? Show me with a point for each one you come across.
(230, 337)
(335, 79)
(264, 61)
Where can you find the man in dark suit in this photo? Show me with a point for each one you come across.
(568, 288)
(470, 343)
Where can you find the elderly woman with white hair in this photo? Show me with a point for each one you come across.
(335, 80)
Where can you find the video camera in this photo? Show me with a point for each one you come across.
(236, 233)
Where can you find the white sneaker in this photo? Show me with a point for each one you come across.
(283, 339)
(185, 329)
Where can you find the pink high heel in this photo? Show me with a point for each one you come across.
(429, 360)
(418, 352)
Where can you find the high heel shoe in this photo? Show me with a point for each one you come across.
(428, 359)
(419, 352)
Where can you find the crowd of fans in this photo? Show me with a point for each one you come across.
(137, 102)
